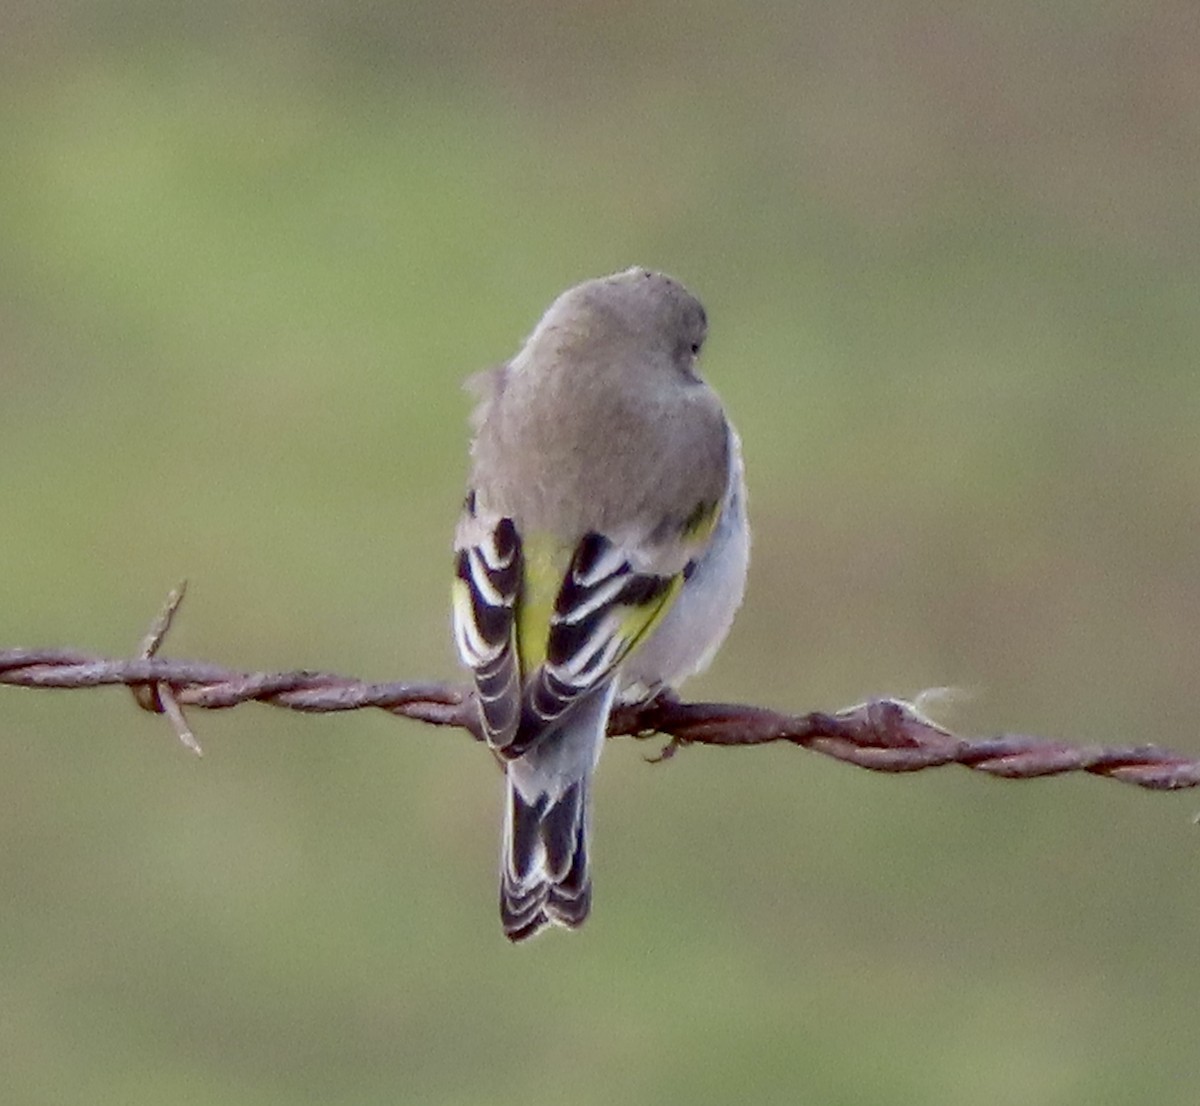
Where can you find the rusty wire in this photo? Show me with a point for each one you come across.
(884, 735)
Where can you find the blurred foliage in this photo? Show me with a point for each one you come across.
(249, 251)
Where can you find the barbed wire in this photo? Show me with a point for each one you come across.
(883, 735)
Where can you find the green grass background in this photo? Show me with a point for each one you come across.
(247, 254)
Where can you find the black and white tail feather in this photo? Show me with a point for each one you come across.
(545, 876)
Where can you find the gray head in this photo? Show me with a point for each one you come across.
(600, 420)
(636, 315)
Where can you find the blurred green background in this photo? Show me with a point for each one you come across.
(951, 257)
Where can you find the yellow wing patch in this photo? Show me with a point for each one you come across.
(546, 560)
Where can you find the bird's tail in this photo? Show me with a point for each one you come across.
(544, 878)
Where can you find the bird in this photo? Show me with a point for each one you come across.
(600, 557)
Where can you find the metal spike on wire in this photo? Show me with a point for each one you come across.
(160, 697)
(884, 735)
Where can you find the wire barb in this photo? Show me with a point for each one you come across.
(159, 698)
(883, 735)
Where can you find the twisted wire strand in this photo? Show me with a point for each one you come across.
(883, 735)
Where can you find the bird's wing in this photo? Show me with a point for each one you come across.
(489, 578)
(604, 606)
(539, 638)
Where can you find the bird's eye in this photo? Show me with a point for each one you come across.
(695, 348)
